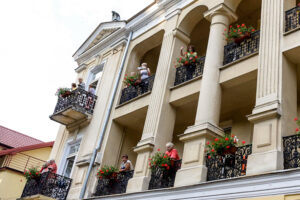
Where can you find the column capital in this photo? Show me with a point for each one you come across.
(181, 35)
(221, 9)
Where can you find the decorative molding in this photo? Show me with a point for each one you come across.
(221, 9)
(257, 117)
(81, 68)
(181, 35)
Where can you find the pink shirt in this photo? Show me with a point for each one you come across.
(173, 154)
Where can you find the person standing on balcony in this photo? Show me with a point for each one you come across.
(172, 152)
(144, 73)
(73, 86)
(81, 84)
(92, 89)
(52, 166)
(189, 54)
(126, 164)
(44, 168)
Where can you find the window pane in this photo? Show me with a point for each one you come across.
(69, 166)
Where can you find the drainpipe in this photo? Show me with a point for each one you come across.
(107, 115)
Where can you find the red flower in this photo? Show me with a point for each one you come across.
(154, 163)
(36, 173)
(297, 129)
(107, 170)
(207, 143)
(243, 25)
(216, 139)
(225, 29)
(162, 165)
(227, 147)
(29, 173)
(244, 142)
(150, 159)
(102, 172)
(209, 157)
(168, 168)
(232, 135)
(196, 56)
(295, 119)
(186, 62)
(234, 30)
(212, 150)
(158, 149)
(238, 26)
(253, 30)
(226, 139)
(230, 26)
(165, 156)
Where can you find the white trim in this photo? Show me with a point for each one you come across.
(272, 184)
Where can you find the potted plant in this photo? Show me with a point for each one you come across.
(189, 60)
(222, 146)
(63, 92)
(132, 80)
(297, 130)
(238, 33)
(159, 161)
(32, 173)
(107, 172)
(298, 5)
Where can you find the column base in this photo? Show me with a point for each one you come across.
(193, 169)
(260, 163)
(196, 175)
(138, 184)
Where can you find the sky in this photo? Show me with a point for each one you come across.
(37, 41)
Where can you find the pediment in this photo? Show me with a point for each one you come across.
(100, 33)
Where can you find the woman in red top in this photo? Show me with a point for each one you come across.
(172, 152)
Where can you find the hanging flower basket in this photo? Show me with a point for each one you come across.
(238, 33)
(107, 172)
(241, 39)
(230, 151)
(66, 94)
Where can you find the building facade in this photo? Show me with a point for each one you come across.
(249, 89)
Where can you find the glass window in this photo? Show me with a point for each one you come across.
(69, 166)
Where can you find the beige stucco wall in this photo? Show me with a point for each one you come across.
(11, 184)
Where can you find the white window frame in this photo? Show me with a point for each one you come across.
(92, 74)
(66, 155)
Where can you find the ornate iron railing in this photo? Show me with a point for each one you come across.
(186, 73)
(132, 92)
(116, 185)
(292, 19)
(228, 166)
(291, 152)
(48, 184)
(164, 178)
(236, 51)
(79, 100)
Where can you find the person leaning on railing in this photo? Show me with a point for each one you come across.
(52, 166)
(81, 84)
(144, 73)
(172, 152)
(126, 164)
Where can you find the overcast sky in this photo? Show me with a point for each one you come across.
(37, 41)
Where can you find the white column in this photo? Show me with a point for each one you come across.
(276, 96)
(208, 112)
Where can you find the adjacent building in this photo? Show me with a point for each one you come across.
(19, 152)
(249, 89)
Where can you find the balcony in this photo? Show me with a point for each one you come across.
(292, 19)
(234, 52)
(74, 109)
(49, 185)
(164, 178)
(132, 92)
(291, 152)
(228, 166)
(111, 186)
(186, 73)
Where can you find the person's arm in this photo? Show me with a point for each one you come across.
(149, 73)
(174, 154)
(181, 51)
(127, 167)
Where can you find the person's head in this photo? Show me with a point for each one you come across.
(73, 85)
(144, 65)
(52, 161)
(169, 146)
(124, 157)
(90, 86)
(191, 48)
(80, 80)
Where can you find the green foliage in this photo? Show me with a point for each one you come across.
(237, 31)
(188, 58)
(107, 172)
(131, 80)
(62, 91)
(159, 161)
(32, 173)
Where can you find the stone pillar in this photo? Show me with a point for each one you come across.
(276, 96)
(208, 112)
(160, 119)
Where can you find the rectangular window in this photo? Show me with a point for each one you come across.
(95, 75)
(70, 159)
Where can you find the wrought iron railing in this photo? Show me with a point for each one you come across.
(48, 184)
(292, 19)
(79, 100)
(228, 166)
(235, 51)
(114, 185)
(132, 92)
(291, 151)
(164, 178)
(186, 73)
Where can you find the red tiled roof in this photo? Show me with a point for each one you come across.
(15, 139)
(26, 148)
